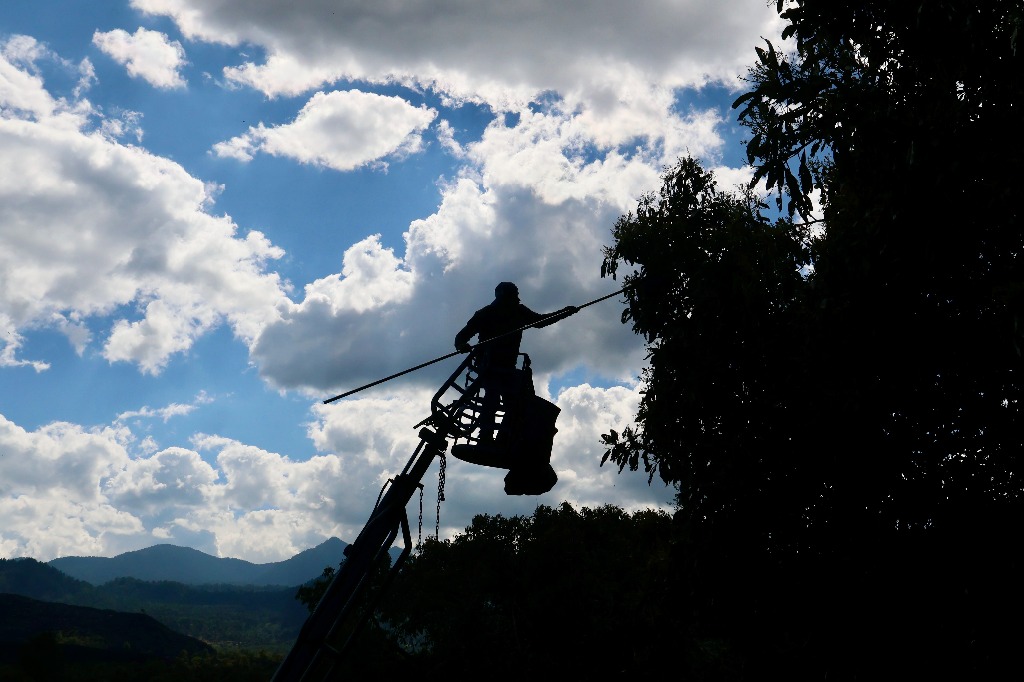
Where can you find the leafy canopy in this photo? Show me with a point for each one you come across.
(856, 370)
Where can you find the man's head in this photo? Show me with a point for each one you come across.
(506, 292)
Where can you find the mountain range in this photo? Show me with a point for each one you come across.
(192, 567)
(80, 601)
(246, 616)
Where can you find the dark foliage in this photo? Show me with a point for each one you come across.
(134, 633)
(229, 616)
(51, 641)
(31, 578)
(50, 658)
(369, 646)
(543, 595)
(716, 295)
(846, 437)
(129, 629)
(310, 594)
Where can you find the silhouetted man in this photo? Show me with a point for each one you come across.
(497, 359)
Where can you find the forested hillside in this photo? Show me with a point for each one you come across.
(236, 617)
(192, 567)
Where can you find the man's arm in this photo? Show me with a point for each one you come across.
(551, 318)
(464, 335)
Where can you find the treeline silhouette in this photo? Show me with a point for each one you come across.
(558, 592)
(606, 593)
(836, 392)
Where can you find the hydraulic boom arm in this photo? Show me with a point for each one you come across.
(516, 439)
(322, 640)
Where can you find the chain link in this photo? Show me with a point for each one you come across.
(419, 533)
(440, 495)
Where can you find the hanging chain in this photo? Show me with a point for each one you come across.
(440, 495)
(419, 533)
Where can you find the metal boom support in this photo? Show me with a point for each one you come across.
(322, 642)
(336, 620)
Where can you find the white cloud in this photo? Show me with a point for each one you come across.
(371, 277)
(60, 454)
(12, 342)
(166, 481)
(612, 69)
(167, 412)
(128, 123)
(22, 94)
(24, 51)
(374, 434)
(446, 136)
(66, 490)
(94, 229)
(543, 229)
(149, 55)
(587, 412)
(91, 227)
(380, 428)
(488, 50)
(50, 489)
(86, 77)
(341, 130)
(536, 199)
(554, 155)
(533, 203)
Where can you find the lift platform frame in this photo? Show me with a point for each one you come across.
(328, 633)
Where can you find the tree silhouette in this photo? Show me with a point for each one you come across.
(551, 593)
(838, 397)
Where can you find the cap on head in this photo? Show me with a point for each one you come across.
(506, 291)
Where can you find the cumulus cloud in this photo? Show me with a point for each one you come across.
(593, 91)
(167, 412)
(379, 428)
(614, 68)
(170, 479)
(487, 50)
(543, 228)
(533, 203)
(50, 489)
(22, 92)
(149, 55)
(588, 411)
(67, 490)
(92, 227)
(342, 130)
(96, 230)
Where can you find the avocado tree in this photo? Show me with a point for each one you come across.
(837, 392)
(861, 369)
(716, 290)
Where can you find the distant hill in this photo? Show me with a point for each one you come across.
(249, 616)
(25, 619)
(31, 578)
(192, 567)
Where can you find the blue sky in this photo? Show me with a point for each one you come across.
(214, 215)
